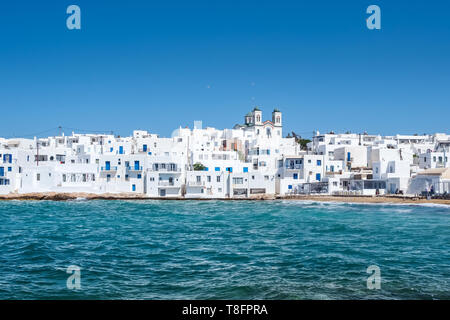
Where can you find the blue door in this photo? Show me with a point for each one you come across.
(133, 187)
(2, 171)
(318, 176)
(348, 156)
(120, 149)
(144, 148)
(136, 165)
(107, 165)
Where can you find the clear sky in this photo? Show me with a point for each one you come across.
(156, 65)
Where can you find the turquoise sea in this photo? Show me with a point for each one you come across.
(223, 250)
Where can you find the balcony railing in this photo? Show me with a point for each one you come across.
(109, 168)
(134, 168)
(167, 169)
(166, 183)
(195, 183)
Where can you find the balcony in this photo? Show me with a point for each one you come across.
(294, 167)
(109, 169)
(166, 169)
(195, 183)
(134, 168)
(166, 183)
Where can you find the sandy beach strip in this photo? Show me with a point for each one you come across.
(56, 196)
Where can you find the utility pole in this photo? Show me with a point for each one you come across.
(37, 152)
(445, 157)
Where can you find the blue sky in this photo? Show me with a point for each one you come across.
(157, 65)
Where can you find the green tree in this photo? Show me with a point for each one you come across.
(199, 167)
(302, 142)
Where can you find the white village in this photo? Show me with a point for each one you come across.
(251, 160)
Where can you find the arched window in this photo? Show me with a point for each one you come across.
(258, 118)
(278, 120)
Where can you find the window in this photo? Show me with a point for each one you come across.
(38, 177)
(266, 178)
(319, 162)
(245, 169)
(208, 178)
(9, 169)
(139, 176)
(238, 180)
(199, 178)
(295, 176)
(218, 178)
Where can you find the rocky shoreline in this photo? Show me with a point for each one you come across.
(55, 196)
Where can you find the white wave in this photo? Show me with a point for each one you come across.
(346, 203)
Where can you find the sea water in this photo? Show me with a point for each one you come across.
(223, 250)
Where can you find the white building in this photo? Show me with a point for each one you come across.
(252, 159)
